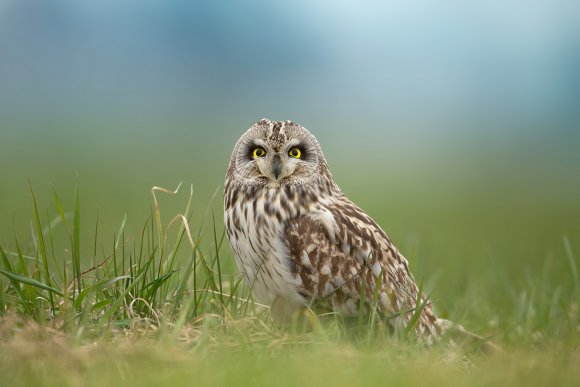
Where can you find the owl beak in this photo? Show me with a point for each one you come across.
(277, 167)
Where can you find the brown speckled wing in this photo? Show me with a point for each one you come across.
(361, 260)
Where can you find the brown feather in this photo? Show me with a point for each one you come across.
(332, 274)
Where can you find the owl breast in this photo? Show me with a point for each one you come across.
(255, 219)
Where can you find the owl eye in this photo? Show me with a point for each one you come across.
(295, 152)
(258, 152)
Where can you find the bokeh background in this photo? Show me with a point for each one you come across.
(456, 125)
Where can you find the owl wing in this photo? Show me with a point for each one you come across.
(340, 254)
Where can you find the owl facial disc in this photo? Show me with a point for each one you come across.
(277, 153)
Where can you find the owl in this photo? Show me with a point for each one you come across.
(300, 242)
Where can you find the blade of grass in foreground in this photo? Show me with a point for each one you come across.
(22, 269)
(217, 257)
(15, 283)
(572, 261)
(419, 305)
(30, 281)
(96, 288)
(374, 311)
(121, 298)
(41, 245)
(76, 242)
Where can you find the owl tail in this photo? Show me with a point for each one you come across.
(466, 340)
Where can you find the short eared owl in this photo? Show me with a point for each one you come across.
(298, 239)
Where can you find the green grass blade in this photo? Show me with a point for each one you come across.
(96, 288)
(155, 284)
(61, 212)
(361, 304)
(30, 281)
(419, 305)
(3, 305)
(55, 265)
(121, 298)
(374, 311)
(41, 244)
(23, 267)
(572, 262)
(76, 241)
(120, 232)
(15, 283)
(217, 254)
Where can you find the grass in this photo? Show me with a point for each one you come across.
(166, 305)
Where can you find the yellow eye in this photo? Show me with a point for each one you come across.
(295, 152)
(258, 152)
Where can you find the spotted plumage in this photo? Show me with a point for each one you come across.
(301, 242)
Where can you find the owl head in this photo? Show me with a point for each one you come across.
(277, 153)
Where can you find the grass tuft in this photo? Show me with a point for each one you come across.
(154, 281)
